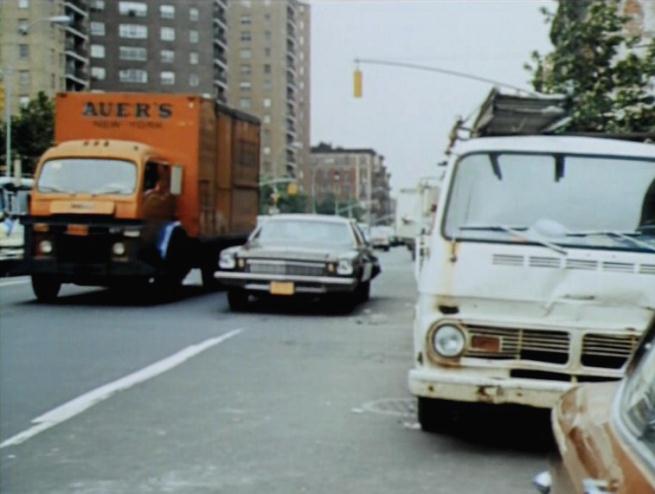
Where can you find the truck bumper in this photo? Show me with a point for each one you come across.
(302, 284)
(429, 383)
(104, 273)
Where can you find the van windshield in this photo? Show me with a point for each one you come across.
(586, 201)
(88, 176)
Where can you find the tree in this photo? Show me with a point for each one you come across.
(607, 77)
(33, 130)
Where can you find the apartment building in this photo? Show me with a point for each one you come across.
(159, 46)
(41, 52)
(269, 60)
(356, 177)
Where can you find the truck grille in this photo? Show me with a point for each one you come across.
(612, 351)
(82, 250)
(286, 268)
(522, 344)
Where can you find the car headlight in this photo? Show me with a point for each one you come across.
(345, 267)
(448, 341)
(227, 260)
(118, 249)
(45, 247)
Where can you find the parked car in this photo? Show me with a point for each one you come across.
(606, 433)
(299, 254)
(381, 237)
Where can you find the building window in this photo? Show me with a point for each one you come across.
(245, 53)
(133, 31)
(97, 51)
(23, 4)
(246, 20)
(23, 25)
(194, 80)
(167, 11)
(245, 85)
(267, 150)
(167, 34)
(244, 103)
(245, 70)
(194, 14)
(23, 101)
(133, 9)
(267, 85)
(24, 77)
(97, 5)
(98, 28)
(267, 68)
(267, 102)
(267, 36)
(193, 58)
(267, 51)
(246, 36)
(266, 119)
(167, 78)
(24, 51)
(193, 36)
(167, 56)
(98, 73)
(133, 75)
(133, 53)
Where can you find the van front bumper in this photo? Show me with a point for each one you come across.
(430, 383)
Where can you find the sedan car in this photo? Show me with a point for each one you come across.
(299, 254)
(606, 433)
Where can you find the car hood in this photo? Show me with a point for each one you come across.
(296, 252)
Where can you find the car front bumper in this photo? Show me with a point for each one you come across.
(430, 383)
(302, 284)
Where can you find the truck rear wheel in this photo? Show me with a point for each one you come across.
(46, 288)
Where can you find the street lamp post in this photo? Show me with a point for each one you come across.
(8, 71)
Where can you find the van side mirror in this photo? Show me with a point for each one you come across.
(176, 180)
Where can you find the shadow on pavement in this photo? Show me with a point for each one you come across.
(300, 306)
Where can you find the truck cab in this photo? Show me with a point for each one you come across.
(540, 271)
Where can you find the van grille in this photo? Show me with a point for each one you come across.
(612, 351)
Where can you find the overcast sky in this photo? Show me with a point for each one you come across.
(406, 115)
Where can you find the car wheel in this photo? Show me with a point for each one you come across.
(237, 299)
(364, 291)
(46, 288)
(433, 414)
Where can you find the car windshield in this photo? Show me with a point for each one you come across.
(588, 201)
(292, 232)
(88, 176)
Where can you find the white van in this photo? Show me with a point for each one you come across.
(540, 271)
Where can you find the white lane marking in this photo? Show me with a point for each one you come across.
(87, 400)
(15, 281)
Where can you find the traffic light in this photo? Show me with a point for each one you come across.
(292, 189)
(357, 83)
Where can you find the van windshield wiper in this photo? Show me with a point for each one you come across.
(627, 236)
(520, 232)
(53, 188)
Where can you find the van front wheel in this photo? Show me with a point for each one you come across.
(46, 288)
(433, 414)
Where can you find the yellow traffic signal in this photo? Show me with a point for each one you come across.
(357, 83)
(292, 188)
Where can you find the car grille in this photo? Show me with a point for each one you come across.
(598, 350)
(286, 268)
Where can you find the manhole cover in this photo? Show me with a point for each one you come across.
(397, 407)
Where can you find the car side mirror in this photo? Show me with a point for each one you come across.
(176, 180)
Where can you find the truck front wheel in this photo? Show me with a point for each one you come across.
(46, 288)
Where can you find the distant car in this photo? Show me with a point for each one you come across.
(381, 237)
(606, 433)
(298, 254)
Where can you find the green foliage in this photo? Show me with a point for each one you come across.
(609, 83)
(34, 130)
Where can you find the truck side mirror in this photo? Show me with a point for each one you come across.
(176, 180)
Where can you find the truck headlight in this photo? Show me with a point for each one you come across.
(448, 341)
(345, 267)
(118, 249)
(45, 247)
(227, 260)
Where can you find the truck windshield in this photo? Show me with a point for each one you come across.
(584, 201)
(88, 176)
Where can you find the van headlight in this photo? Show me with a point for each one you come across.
(448, 341)
(345, 267)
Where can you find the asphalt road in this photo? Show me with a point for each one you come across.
(102, 394)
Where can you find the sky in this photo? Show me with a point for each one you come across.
(406, 115)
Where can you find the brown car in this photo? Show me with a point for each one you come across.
(606, 433)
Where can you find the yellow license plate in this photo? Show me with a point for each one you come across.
(282, 288)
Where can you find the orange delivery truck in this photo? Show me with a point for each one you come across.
(139, 189)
